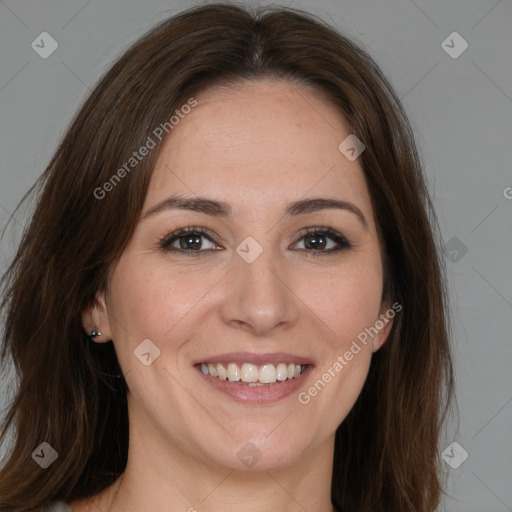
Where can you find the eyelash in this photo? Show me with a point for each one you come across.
(166, 241)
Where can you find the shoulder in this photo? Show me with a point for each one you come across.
(57, 506)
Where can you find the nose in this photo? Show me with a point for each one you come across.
(258, 298)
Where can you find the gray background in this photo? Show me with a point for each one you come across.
(461, 109)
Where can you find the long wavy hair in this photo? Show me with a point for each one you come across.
(66, 393)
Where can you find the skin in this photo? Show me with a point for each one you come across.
(258, 147)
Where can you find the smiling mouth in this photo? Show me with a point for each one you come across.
(248, 374)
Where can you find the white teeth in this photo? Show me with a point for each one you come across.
(249, 373)
(222, 372)
(281, 372)
(212, 370)
(233, 372)
(252, 374)
(268, 373)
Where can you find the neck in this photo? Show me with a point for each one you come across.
(156, 477)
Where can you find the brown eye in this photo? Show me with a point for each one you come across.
(197, 241)
(189, 240)
(324, 240)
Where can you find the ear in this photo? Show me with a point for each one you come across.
(384, 323)
(96, 317)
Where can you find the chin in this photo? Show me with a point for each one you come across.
(260, 452)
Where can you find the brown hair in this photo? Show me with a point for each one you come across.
(386, 450)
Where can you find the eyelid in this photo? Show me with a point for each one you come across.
(166, 240)
(188, 229)
(329, 232)
(343, 243)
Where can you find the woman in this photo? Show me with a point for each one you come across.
(230, 294)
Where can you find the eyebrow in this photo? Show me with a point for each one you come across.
(222, 209)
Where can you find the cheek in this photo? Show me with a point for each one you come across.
(151, 301)
(161, 301)
(346, 301)
(347, 309)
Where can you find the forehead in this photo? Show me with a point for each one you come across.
(260, 141)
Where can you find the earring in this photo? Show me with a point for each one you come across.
(94, 333)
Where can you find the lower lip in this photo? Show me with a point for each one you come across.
(257, 394)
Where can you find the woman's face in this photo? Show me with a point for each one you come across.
(254, 169)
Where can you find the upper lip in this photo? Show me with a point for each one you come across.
(255, 358)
